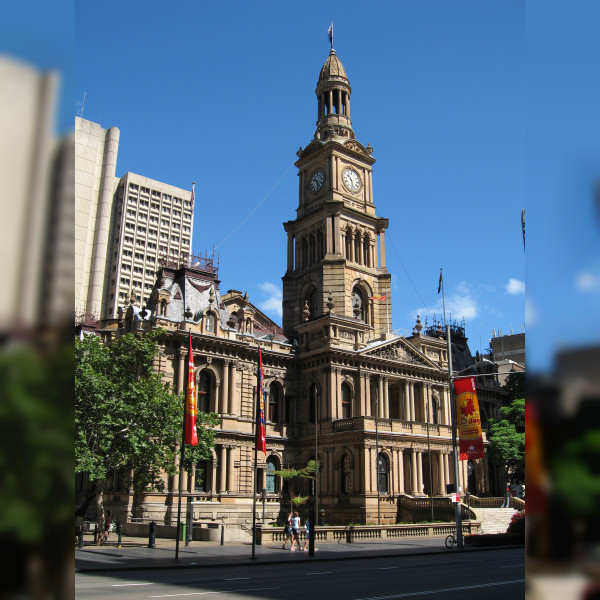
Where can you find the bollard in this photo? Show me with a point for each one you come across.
(119, 534)
(152, 535)
(222, 533)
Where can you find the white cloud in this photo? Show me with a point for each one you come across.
(460, 304)
(515, 286)
(587, 282)
(272, 304)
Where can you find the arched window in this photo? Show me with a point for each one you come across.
(367, 251)
(348, 244)
(358, 304)
(435, 409)
(346, 406)
(201, 476)
(357, 248)
(210, 322)
(382, 473)
(312, 400)
(346, 473)
(204, 391)
(271, 483)
(313, 303)
(273, 411)
(163, 308)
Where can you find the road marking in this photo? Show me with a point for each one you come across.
(236, 578)
(512, 566)
(386, 568)
(441, 591)
(126, 584)
(321, 573)
(206, 593)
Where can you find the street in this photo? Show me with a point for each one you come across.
(495, 574)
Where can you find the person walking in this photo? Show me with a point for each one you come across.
(295, 531)
(306, 534)
(107, 526)
(288, 532)
(506, 502)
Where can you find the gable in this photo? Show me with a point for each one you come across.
(402, 351)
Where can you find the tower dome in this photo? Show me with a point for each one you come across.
(333, 94)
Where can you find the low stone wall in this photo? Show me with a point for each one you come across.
(202, 531)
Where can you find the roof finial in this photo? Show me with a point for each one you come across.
(330, 34)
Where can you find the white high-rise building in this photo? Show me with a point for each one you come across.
(123, 226)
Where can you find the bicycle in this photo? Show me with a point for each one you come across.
(450, 541)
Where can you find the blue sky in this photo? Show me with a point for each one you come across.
(475, 110)
(223, 94)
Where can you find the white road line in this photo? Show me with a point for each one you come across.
(127, 584)
(441, 591)
(321, 573)
(386, 568)
(236, 578)
(222, 592)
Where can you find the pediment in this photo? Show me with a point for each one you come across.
(313, 147)
(358, 147)
(402, 351)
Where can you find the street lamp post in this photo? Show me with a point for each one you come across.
(377, 457)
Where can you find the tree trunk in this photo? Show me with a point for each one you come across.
(100, 512)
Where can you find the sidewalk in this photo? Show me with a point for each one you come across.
(134, 553)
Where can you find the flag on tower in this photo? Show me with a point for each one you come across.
(380, 297)
(440, 282)
(261, 443)
(330, 34)
(191, 407)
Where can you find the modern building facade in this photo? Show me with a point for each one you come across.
(373, 407)
(123, 225)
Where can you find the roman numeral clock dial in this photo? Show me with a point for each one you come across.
(351, 179)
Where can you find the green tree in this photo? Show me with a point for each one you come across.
(127, 419)
(514, 386)
(294, 476)
(507, 441)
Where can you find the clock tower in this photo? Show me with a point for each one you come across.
(336, 245)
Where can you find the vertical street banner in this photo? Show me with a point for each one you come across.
(191, 407)
(261, 443)
(468, 419)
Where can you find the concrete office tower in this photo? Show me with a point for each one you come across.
(26, 158)
(95, 184)
(152, 220)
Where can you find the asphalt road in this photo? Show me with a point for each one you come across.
(497, 574)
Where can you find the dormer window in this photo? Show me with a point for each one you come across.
(210, 323)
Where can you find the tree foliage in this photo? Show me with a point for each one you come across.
(294, 476)
(515, 386)
(126, 417)
(507, 441)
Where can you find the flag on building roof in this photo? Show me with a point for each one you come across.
(440, 283)
(330, 34)
(380, 297)
(261, 443)
(193, 195)
(191, 406)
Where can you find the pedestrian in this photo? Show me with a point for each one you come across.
(107, 526)
(295, 531)
(287, 531)
(306, 534)
(506, 502)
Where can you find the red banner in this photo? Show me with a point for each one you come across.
(261, 443)
(468, 419)
(191, 407)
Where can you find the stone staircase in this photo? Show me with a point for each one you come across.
(494, 520)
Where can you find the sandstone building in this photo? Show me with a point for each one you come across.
(373, 406)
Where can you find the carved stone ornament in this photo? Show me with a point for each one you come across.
(354, 145)
(396, 352)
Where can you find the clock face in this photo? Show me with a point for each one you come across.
(351, 179)
(317, 181)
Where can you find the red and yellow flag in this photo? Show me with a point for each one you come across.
(191, 406)
(380, 297)
(468, 419)
(261, 443)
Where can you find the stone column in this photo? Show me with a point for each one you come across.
(223, 409)
(337, 234)
(441, 480)
(420, 471)
(382, 244)
(412, 400)
(330, 105)
(447, 474)
(406, 401)
(413, 471)
(400, 471)
(222, 469)
(351, 235)
(290, 252)
(367, 395)
(229, 476)
(393, 471)
(181, 355)
(386, 398)
(339, 95)
(380, 397)
(233, 408)
(218, 397)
